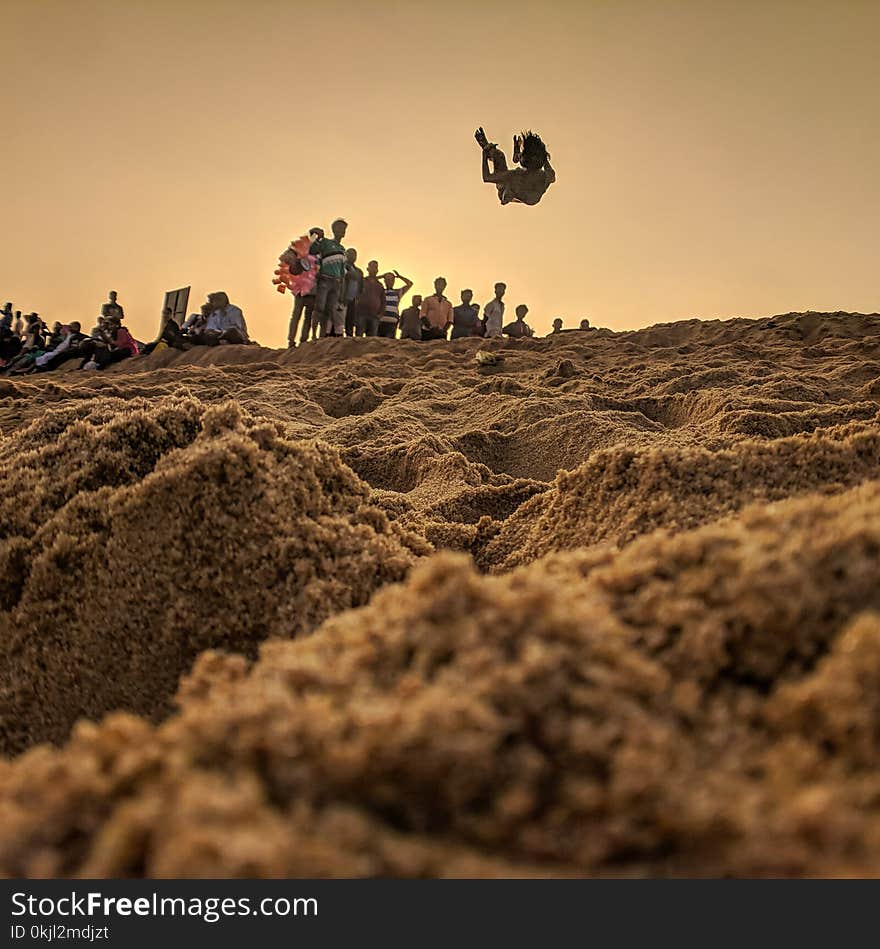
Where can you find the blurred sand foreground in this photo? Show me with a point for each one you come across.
(610, 606)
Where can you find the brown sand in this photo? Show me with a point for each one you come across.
(664, 659)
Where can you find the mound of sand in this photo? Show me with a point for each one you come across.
(620, 493)
(697, 704)
(662, 657)
(135, 536)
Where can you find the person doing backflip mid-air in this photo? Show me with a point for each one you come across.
(525, 185)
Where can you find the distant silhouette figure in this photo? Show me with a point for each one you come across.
(493, 312)
(436, 312)
(466, 318)
(519, 329)
(393, 295)
(371, 302)
(525, 185)
(331, 275)
(411, 320)
(351, 290)
(111, 308)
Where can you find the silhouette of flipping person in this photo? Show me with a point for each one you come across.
(525, 185)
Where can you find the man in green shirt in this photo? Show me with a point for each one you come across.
(330, 275)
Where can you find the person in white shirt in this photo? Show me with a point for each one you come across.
(225, 323)
(493, 312)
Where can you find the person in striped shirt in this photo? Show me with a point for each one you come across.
(391, 315)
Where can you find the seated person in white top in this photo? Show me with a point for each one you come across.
(225, 323)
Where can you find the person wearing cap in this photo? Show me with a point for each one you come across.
(330, 275)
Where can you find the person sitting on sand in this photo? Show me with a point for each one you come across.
(584, 325)
(97, 331)
(525, 185)
(411, 320)
(79, 345)
(10, 346)
(225, 323)
(195, 323)
(466, 317)
(120, 344)
(10, 340)
(170, 334)
(393, 295)
(493, 312)
(436, 312)
(557, 326)
(519, 329)
(56, 337)
(371, 302)
(67, 349)
(33, 345)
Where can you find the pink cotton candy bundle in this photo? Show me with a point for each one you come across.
(283, 277)
(302, 284)
(300, 278)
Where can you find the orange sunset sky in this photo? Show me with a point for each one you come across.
(715, 158)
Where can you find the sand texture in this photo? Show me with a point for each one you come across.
(610, 606)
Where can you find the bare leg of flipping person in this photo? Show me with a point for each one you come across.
(499, 173)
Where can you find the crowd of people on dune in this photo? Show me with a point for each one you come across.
(28, 344)
(334, 297)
